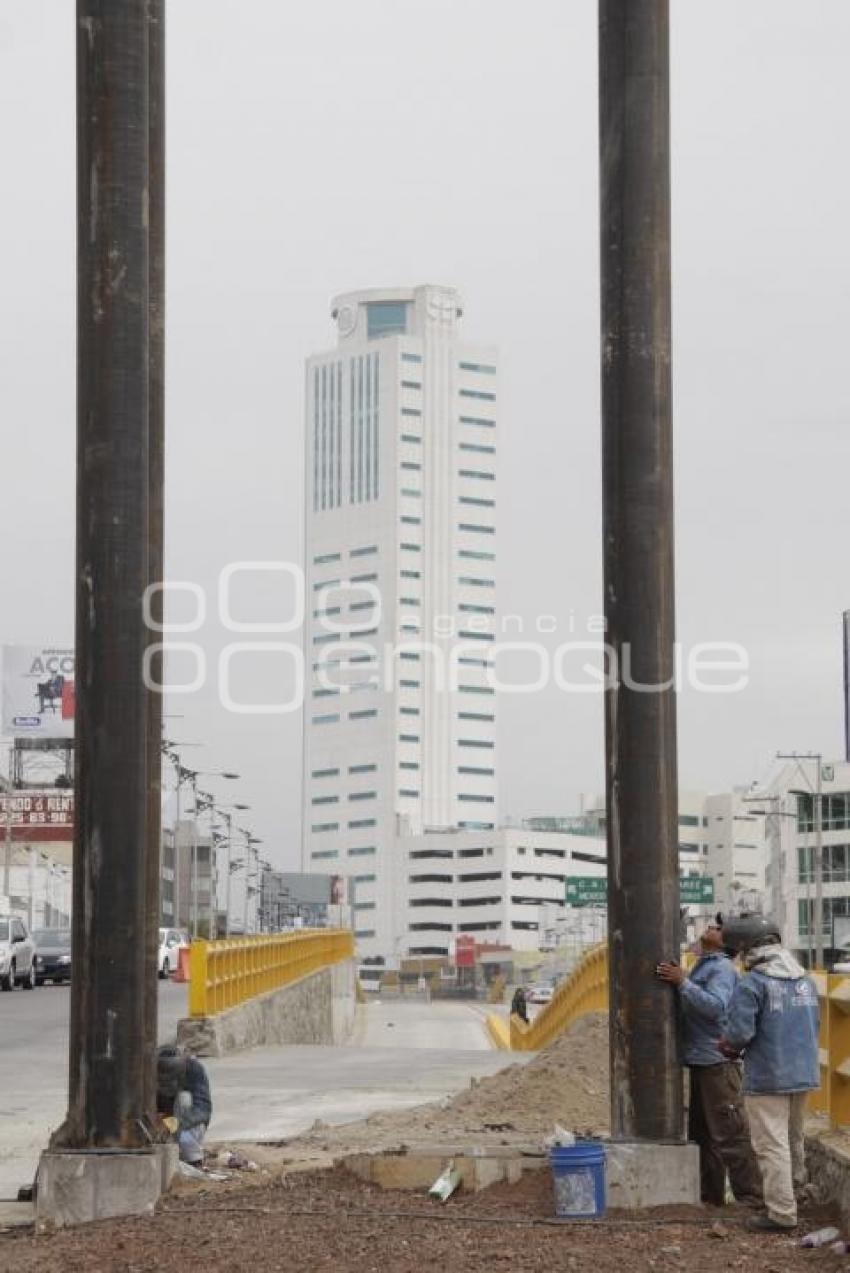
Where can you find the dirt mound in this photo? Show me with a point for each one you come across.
(566, 1083)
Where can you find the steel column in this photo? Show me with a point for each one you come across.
(110, 1076)
(640, 705)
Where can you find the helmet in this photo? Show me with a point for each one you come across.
(742, 932)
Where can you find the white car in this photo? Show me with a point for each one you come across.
(540, 994)
(17, 954)
(171, 941)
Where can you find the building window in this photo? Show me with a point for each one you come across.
(470, 581)
(325, 800)
(325, 773)
(476, 742)
(326, 720)
(474, 529)
(408, 764)
(411, 437)
(362, 552)
(476, 689)
(364, 932)
(324, 853)
(386, 318)
(474, 419)
(473, 769)
(410, 685)
(408, 738)
(430, 901)
(480, 450)
(362, 850)
(481, 394)
(474, 716)
(431, 879)
(361, 769)
(411, 492)
(364, 879)
(362, 822)
(479, 503)
(481, 367)
(470, 609)
(407, 356)
(363, 795)
(412, 465)
(411, 521)
(362, 715)
(320, 827)
(476, 636)
(469, 799)
(412, 548)
(478, 474)
(325, 559)
(409, 793)
(409, 711)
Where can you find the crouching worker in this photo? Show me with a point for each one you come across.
(183, 1092)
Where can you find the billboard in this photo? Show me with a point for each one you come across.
(38, 692)
(30, 816)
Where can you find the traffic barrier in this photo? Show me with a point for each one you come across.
(184, 962)
(227, 973)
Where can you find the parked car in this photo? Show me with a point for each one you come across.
(17, 954)
(171, 941)
(52, 955)
(539, 994)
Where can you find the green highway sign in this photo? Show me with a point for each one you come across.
(696, 890)
(586, 890)
(592, 890)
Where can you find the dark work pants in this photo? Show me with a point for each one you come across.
(717, 1121)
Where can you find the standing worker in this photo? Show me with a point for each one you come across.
(773, 1020)
(717, 1121)
(519, 1005)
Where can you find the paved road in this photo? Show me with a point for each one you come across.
(401, 1054)
(34, 1070)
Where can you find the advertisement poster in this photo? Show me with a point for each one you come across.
(38, 692)
(33, 816)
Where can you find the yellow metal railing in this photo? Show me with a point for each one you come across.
(585, 990)
(226, 973)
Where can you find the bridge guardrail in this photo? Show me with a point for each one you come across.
(226, 973)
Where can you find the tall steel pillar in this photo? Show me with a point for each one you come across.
(640, 704)
(119, 161)
(156, 485)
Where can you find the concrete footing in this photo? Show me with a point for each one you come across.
(645, 1175)
(76, 1186)
(637, 1175)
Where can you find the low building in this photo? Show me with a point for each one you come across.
(504, 886)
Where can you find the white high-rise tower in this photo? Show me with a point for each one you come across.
(400, 547)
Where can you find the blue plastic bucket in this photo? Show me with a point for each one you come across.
(578, 1180)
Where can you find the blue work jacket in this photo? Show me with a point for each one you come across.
(775, 1019)
(704, 998)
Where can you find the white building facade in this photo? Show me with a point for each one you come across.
(506, 886)
(789, 805)
(399, 719)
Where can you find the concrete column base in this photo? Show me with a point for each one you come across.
(640, 1174)
(76, 1186)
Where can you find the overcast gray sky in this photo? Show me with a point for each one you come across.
(316, 147)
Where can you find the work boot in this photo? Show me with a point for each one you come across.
(766, 1224)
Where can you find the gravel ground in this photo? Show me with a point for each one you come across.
(328, 1220)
